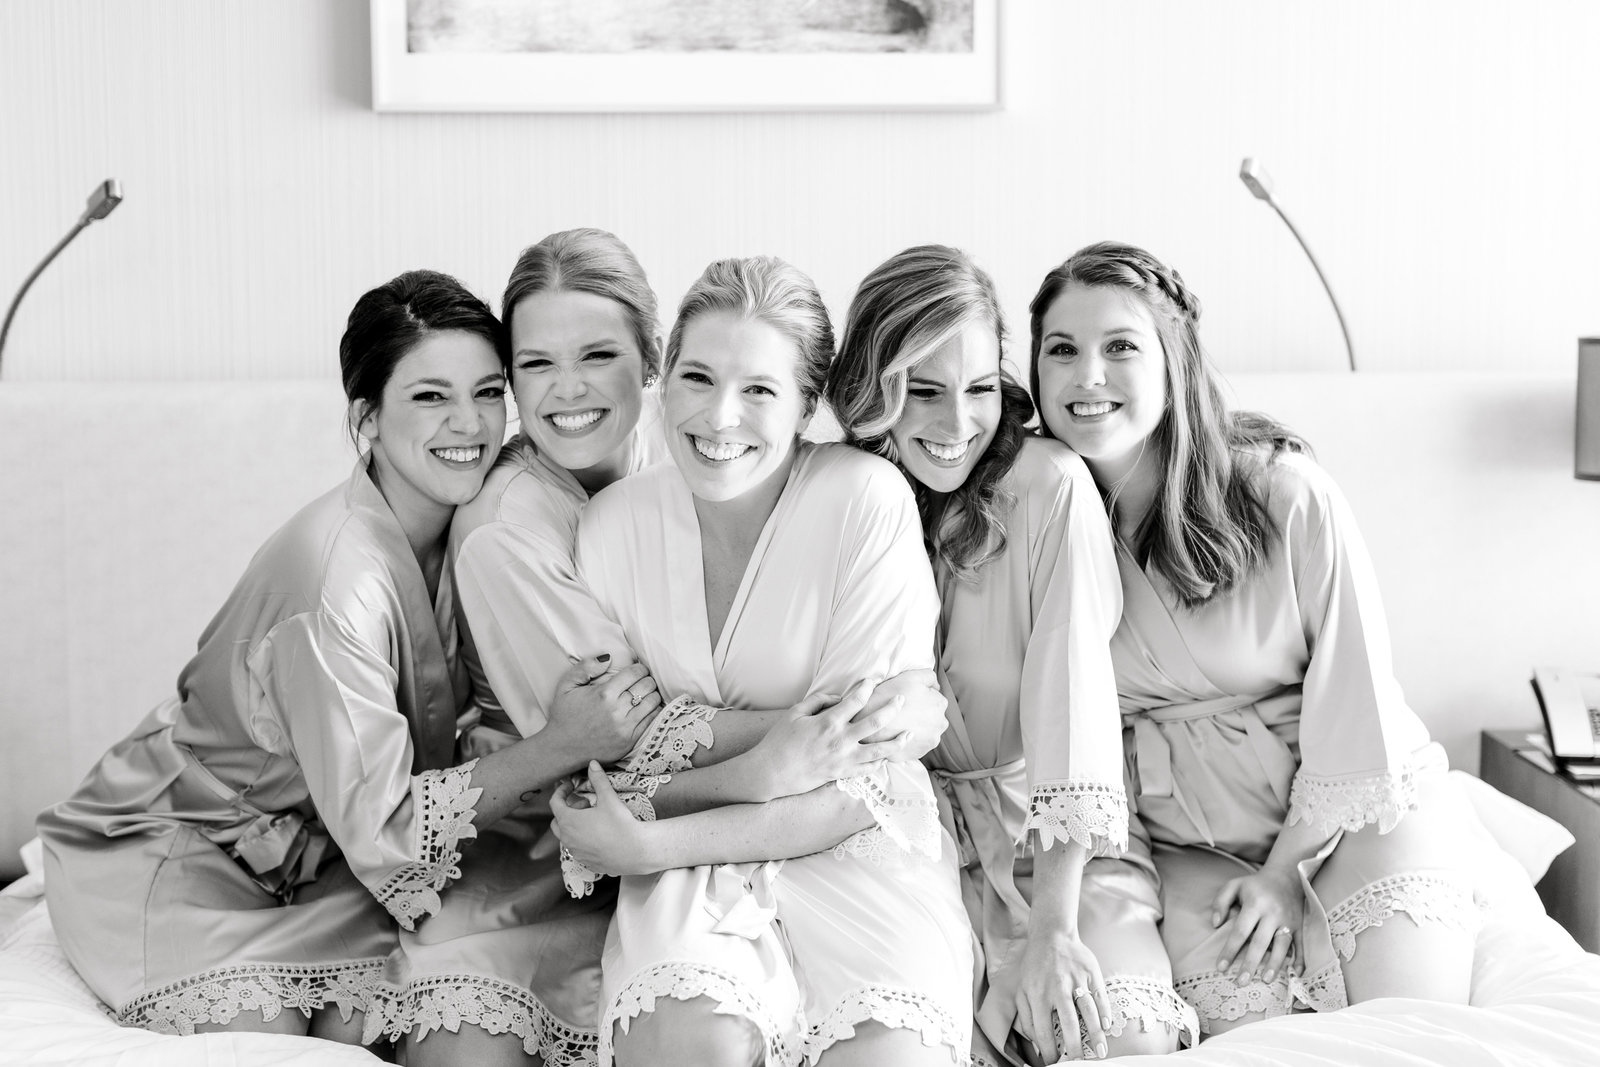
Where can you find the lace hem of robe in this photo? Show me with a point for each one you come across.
(1094, 814)
(896, 1009)
(1152, 1004)
(1217, 998)
(1351, 803)
(687, 981)
(635, 791)
(670, 741)
(219, 996)
(904, 824)
(496, 1007)
(1427, 899)
(444, 819)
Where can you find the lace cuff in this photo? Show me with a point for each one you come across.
(635, 790)
(444, 818)
(1352, 802)
(1094, 814)
(668, 745)
(904, 813)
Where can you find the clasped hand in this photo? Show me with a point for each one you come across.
(825, 738)
(602, 711)
(599, 830)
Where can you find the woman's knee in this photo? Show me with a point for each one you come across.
(1148, 1017)
(688, 1033)
(470, 1044)
(873, 1044)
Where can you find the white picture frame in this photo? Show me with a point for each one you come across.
(403, 80)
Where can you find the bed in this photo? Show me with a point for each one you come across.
(1535, 993)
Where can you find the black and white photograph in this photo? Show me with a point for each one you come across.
(799, 533)
(689, 26)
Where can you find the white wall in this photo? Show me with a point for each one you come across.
(1439, 155)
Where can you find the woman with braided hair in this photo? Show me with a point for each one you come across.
(1307, 853)
(1030, 769)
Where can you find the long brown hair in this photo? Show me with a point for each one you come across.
(1208, 527)
(907, 307)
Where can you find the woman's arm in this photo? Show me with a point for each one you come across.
(1056, 965)
(605, 837)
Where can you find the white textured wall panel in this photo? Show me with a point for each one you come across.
(1440, 157)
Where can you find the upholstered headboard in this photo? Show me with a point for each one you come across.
(127, 511)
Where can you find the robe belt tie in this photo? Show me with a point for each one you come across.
(280, 851)
(1153, 755)
(741, 898)
(971, 809)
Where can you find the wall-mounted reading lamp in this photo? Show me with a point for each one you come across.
(102, 202)
(1256, 180)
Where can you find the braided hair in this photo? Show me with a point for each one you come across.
(1208, 527)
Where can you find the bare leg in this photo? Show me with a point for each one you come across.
(875, 1045)
(471, 1044)
(689, 1033)
(288, 1021)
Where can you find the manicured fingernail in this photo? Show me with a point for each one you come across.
(604, 657)
(1100, 1050)
(1269, 976)
(1222, 965)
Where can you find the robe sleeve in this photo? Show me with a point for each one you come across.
(1359, 740)
(330, 703)
(1071, 723)
(883, 619)
(528, 612)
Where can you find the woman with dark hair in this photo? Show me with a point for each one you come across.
(242, 859)
(754, 571)
(510, 968)
(1065, 910)
(1295, 801)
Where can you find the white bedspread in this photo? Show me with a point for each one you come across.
(1535, 994)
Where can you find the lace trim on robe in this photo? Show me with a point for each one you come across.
(447, 1001)
(1432, 899)
(686, 981)
(219, 996)
(897, 1009)
(1351, 803)
(444, 819)
(1094, 814)
(669, 743)
(635, 792)
(903, 825)
(1323, 991)
(1217, 998)
(1151, 1004)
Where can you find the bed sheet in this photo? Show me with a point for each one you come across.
(1535, 1001)
(49, 1017)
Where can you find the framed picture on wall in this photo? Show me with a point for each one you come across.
(684, 55)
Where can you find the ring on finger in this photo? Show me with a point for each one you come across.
(1080, 992)
(1283, 931)
(633, 699)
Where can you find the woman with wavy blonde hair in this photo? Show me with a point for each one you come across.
(754, 570)
(1031, 765)
(1295, 801)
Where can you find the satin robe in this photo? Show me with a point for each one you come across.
(511, 950)
(1275, 703)
(1025, 665)
(837, 589)
(253, 843)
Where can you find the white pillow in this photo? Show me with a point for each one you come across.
(1532, 838)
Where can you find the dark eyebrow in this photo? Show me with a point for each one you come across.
(442, 384)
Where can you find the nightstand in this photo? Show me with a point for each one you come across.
(1571, 888)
